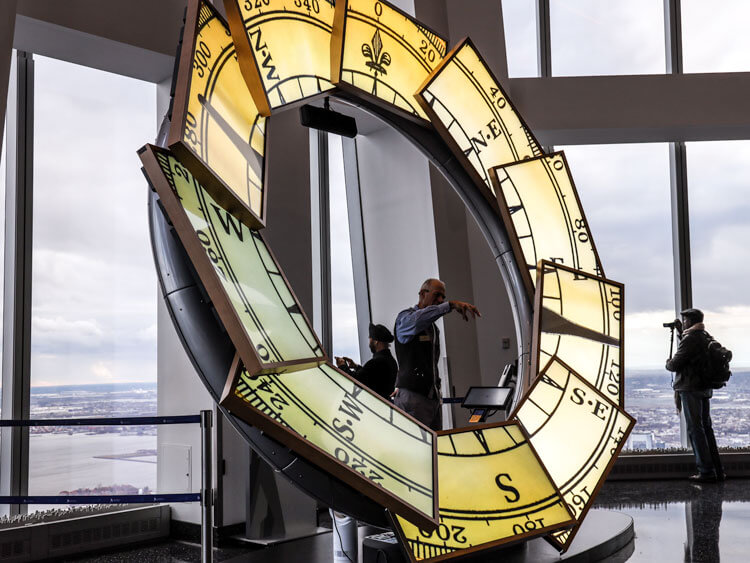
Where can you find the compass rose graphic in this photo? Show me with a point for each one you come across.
(378, 59)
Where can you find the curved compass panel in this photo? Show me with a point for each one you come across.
(541, 209)
(251, 294)
(578, 319)
(493, 491)
(577, 432)
(344, 427)
(383, 52)
(279, 71)
(216, 130)
(472, 113)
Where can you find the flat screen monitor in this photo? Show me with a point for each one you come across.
(487, 397)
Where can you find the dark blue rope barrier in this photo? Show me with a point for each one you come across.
(100, 499)
(449, 400)
(126, 421)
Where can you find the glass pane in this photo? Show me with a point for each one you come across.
(714, 36)
(624, 190)
(93, 335)
(590, 37)
(343, 307)
(521, 43)
(720, 258)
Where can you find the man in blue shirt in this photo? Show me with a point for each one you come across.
(418, 350)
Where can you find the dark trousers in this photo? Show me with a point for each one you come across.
(427, 411)
(696, 406)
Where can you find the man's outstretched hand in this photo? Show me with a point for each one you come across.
(465, 309)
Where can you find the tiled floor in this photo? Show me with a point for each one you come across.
(675, 521)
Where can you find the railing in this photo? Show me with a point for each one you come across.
(205, 497)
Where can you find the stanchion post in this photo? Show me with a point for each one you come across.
(207, 497)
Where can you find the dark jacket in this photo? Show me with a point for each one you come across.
(378, 373)
(689, 360)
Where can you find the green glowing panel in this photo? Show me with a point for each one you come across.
(577, 432)
(578, 319)
(339, 424)
(493, 491)
(216, 130)
(277, 69)
(472, 113)
(383, 53)
(244, 281)
(543, 215)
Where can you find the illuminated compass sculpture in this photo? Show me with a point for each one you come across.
(448, 493)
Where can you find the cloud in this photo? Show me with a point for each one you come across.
(101, 372)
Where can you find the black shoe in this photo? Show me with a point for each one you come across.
(699, 478)
(721, 476)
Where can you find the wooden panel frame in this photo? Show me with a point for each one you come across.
(511, 228)
(338, 40)
(443, 131)
(212, 181)
(210, 279)
(486, 547)
(249, 65)
(632, 421)
(536, 325)
(324, 460)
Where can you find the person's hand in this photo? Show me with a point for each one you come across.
(340, 361)
(465, 309)
(395, 391)
(349, 362)
(677, 402)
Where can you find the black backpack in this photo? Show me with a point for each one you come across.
(716, 371)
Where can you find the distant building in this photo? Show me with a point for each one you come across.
(640, 441)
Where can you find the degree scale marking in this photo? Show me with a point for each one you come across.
(317, 420)
(501, 489)
(204, 204)
(203, 144)
(572, 402)
(279, 63)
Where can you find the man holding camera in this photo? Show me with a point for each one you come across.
(692, 393)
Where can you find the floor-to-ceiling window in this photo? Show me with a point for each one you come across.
(718, 186)
(625, 192)
(590, 37)
(93, 326)
(714, 36)
(343, 307)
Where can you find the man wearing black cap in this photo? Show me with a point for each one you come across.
(379, 373)
(693, 394)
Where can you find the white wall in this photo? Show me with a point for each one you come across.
(398, 222)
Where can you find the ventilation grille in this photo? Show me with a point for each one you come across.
(52, 540)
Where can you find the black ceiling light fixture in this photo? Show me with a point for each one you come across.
(325, 119)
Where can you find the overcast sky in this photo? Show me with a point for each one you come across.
(94, 283)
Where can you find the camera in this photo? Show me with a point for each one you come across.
(675, 324)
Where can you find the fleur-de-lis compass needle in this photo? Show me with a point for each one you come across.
(378, 59)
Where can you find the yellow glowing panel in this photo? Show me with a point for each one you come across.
(216, 130)
(283, 48)
(493, 490)
(578, 319)
(383, 52)
(544, 217)
(347, 429)
(577, 432)
(251, 294)
(473, 114)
